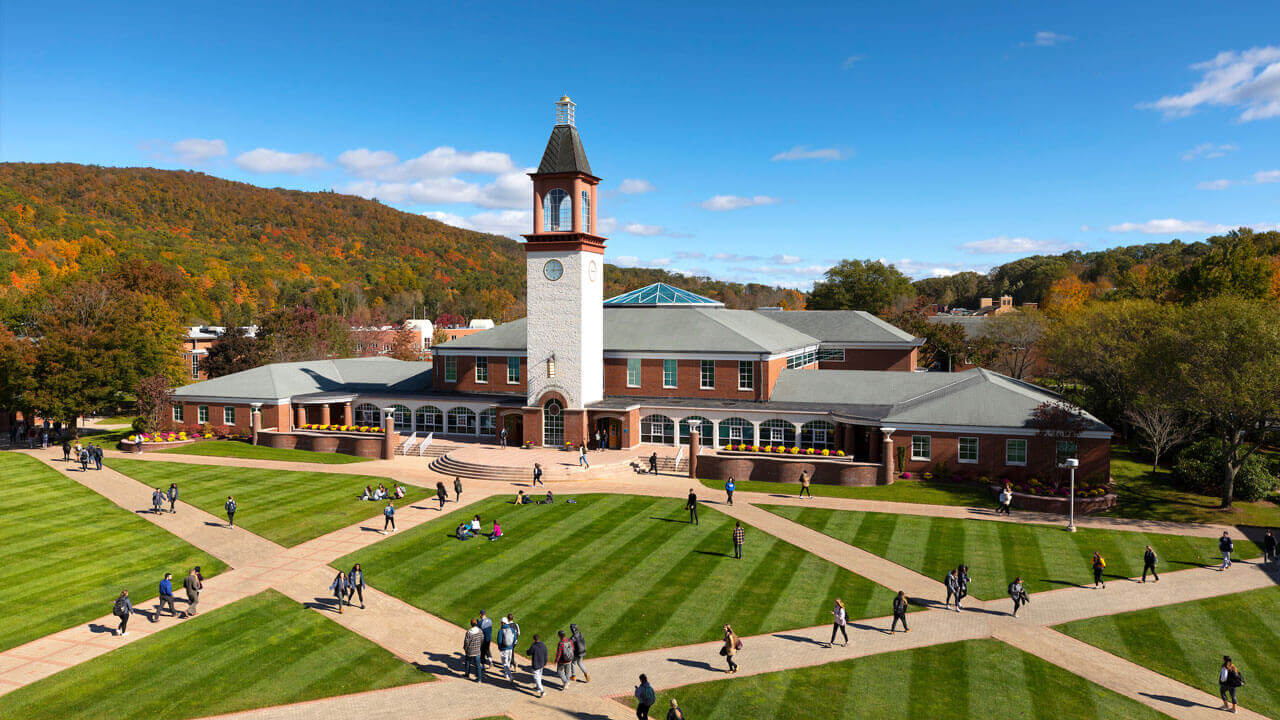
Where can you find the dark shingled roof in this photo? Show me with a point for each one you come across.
(564, 152)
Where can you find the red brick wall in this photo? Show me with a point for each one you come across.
(688, 380)
(1094, 456)
(722, 467)
(896, 359)
(466, 381)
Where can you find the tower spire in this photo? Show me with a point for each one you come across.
(564, 111)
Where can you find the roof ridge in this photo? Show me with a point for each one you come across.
(946, 389)
(716, 318)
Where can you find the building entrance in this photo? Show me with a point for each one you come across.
(610, 430)
(514, 425)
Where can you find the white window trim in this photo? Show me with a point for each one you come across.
(179, 413)
(701, 375)
(450, 369)
(232, 412)
(977, 446)
(639, 372)
(202, 414)
(676, 374)
(482, 362)
(752, 385)
(509, 380)
(928, 441)
(1025, 452)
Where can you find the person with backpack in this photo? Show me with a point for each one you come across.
(471, 644)
(899, 612)
(538, 662)
(339, 589)
(653, 463)
(173, 497)
(1269, 547)
(442, 495)
(579, 651)
(457, 489)
(537, 476)
(732, 644)
(804, 485)
(675, 713)
(645, 698)
(1099, 564)
(122, 609)
(66, 451)
(1018, 594)
(1006, 500)
(389, 517)
(97, 457)
(165, 591)
(729, 487)
(952, 584)
(1149, 564)
(508, 636)
(564, 658)
(1225, 546)
(842, 618)
(962, 582)
(1229, 680)
(486, 648)
(230, 507)
(355, 584)
(191, 583)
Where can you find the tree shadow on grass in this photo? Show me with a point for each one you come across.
(692, 663)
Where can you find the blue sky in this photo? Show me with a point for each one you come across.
(748, 141)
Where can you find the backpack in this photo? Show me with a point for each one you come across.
(119, 609)
(566, 651)
(1236, 679)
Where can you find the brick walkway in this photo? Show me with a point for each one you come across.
(303, 573)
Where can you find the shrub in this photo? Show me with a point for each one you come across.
(141, 424)
(1199, 469)
(900, 454)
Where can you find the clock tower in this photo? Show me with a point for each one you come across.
(564, 271)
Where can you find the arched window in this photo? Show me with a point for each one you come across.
(736, 430)
(777, 432)
(586, 211)
(428, 418)
(462, 421)
(403, 417)
(700, 425)
(552, 424)
(557, 211)
(488, 421)
(366, 414)
(818, 434)
(657, 429)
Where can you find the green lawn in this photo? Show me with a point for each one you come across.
(1143, 494)
(975, 679)
(261, 651)
(67, 552)
(1045, 556)
(238, 449)
(905, 491)
(628, 569)
(288, 507)
(118, 420)
(1187, 641)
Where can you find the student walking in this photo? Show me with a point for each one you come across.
(442, 495)
(66, 451)
(653, 463)
(389, 517)
(564, 658)
(1018, 594)
(842, 618)
(675, 713)
(537, 475)
(1229, 680)
(84, 460)
(502, 438)
(1149, 559)
(355, 584)
(157, 499)
(729, 487)
(339, 589)
(122, 609)
(962, 580)
(508, 636)
(457, 489)
(230, 507)
(739, 537)
(486, 647)
(692, 506)
(97, 457)
(537, 662)
(804, 485)
(191, 583)
(582, 456)
(645, 698)
(1225, 546)
(173, 497)
(732, 644)
(1099, 564)
(579, 652)
(166, 596)
(471, 644)
(1269, 547)
(899, 612)
(953, 589)
(1006, 500)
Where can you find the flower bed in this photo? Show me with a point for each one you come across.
(783, 450)
(342, 428)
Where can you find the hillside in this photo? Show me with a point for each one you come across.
(228, 251)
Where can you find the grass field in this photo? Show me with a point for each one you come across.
(237, 449)
(261, 651)
(1187, 641)
(285, 506)
(628, 569)
(1143, 494)
(67, 552)
(905, 491)
(1045, 556)
(975, 679)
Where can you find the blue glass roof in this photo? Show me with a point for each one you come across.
(660, 295)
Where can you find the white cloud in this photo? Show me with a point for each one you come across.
(850, 61)
(441, 162)
(1045, 38)
(1169, 226)
(1266, 176)
(1004, 245)
(264, 160)
(690, 255)
(634, 186)
(508, 190)
(606, 225)
(365, 162)
(786, 259)
(659, 262)
(804, 152)
(720, 203)
(1249, 80)
(918, 270)
(198, 150)
(1222, 184)
(639, 229)
(511, 223)
(626, 260)
(1262, 177)
(1208, 151)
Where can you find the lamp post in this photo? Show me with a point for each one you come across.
(1071, 464)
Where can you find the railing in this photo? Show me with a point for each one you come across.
(426, 442)
(407, 444)
(679, 454)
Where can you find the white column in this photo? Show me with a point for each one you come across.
(755, 425)
(715, 434)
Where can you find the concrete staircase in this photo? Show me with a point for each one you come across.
(446, 465)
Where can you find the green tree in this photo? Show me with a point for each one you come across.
(1014, 339)
(17, 360)
(234, 351)
(868, 285)
(302, 333)
(1233, 265)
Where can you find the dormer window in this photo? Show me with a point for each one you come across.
(557, 211)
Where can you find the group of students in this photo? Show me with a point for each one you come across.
(477, 642)
(382, 493)
(468, 530)
(193, 584)
(347, 585)
(83, 454)
(158, 498)
(442, 495)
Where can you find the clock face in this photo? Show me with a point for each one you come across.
(553, 270)
(592, 272)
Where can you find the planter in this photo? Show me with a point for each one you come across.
(133, 446)
(1060, 505)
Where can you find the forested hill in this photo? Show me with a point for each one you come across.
(229, 252)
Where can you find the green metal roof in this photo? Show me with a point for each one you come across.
(660, 295)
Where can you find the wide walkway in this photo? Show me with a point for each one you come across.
(303, 573)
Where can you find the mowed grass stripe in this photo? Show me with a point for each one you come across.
(214, 664)
(286, 506)
(1187, 641)
(996, 552)
(628, 569)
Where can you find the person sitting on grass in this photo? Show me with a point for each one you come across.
(475, 524)
(380, 493)
(400, 491)
(463, 531)
(368, 493)
(497, 531)
(548, 499)
(519, 497)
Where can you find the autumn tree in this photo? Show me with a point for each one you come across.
(153, 399)
(404, 344)
(868, 285)
(17, 360)
(1061, 424)
(1013, 340)
(232, 352)
(302, 333)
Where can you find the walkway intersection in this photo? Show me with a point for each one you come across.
(415, 636)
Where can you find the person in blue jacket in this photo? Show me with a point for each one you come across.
(166, 596)
(729, 487)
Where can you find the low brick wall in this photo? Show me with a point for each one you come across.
(137, 447)
(756, 466)
(367, 445)
(1059, 505)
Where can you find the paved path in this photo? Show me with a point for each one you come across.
(303, 573)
